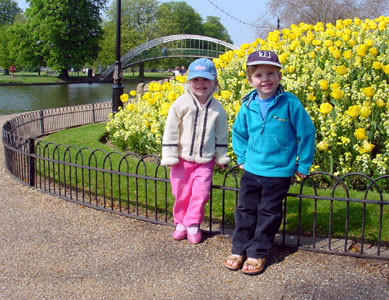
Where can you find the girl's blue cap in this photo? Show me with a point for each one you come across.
(202, 67)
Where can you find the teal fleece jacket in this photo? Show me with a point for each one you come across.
(279, 145)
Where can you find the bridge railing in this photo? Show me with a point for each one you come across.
(154, 54)
(333, 220)
(202, 42)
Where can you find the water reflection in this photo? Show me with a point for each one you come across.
(16, 99)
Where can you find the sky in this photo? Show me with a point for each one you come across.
(233, 14)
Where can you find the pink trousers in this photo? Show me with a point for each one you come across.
(191, 183)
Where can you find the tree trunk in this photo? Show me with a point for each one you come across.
(64, 74)
(142, 70)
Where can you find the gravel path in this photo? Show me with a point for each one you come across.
(53, 249)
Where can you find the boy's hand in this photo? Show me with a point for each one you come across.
(301, 175)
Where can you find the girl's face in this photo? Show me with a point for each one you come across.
(265, 79)
(202, 87)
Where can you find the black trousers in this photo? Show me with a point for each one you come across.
(258, 215)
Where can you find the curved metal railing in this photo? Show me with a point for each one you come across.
(191, 46)
(332, 220)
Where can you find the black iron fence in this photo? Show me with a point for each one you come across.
(346, 215)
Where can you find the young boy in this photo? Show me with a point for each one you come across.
(273, 138)
(194, 140)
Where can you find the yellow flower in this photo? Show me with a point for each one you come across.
(311, 97)
(180, 78)
(323, 84)
(282, 57)
(322, 146)
(236, 106)
(325, 108)
(368, 91)
(124, 98)
(130, 106)
(354, 111)
(328, 43)
(373, 51)
(337, 94)
(165, 108)
(367, 147)
(341, 70)
(386, 69)
(377, 65)
(345, 140)
(380, 103)
(240, 53)
(291, 69)
(226, 95)
(348, 54)
(146, 96)
(365, 111)
(336, 54)
(334, 86)
(369, 42)
(361, 51)
(360, 134)
(133, 93)
(316, 42)
(172, 96)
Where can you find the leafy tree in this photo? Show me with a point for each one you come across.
(213, 28)
(144, 20)
(5, 60)
(137, 15)
(26, 51)
(138, 21)
(314, 11)
(67, 32)
(9, 9)
(176, 18)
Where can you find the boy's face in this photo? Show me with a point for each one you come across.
(201, 87)
(265, 79)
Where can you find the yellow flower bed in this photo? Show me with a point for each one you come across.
(339, 72)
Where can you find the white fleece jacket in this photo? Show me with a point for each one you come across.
(194, 132)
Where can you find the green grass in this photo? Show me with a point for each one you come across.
(92, 135)
(33, 78)
(28, 78)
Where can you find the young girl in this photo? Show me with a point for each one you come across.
(195, 138)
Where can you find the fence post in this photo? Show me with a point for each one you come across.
(31, 161)
(42, 124)
(93, 113)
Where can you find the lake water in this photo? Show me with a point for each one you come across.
(16, 99)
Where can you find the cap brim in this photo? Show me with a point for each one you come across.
(255, 63)
(203, 74)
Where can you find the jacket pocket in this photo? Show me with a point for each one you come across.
(267, 150)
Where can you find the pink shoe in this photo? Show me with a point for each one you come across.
(195, 238)
(179, 235)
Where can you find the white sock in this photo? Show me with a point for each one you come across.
(180, 227)
(193, 229)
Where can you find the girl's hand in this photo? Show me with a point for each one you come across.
(241, 166)
(222, 166)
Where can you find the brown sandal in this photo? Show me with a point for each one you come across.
(259, 266)
(238, 259)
